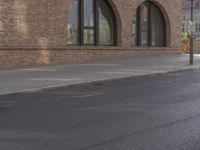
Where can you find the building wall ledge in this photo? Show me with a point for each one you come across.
(19, 57)
(80, 48)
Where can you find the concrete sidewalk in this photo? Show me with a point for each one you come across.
(37, 78)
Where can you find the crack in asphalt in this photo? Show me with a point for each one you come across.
(139, 132)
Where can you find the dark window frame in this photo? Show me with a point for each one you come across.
(81, 26)
(149, 4)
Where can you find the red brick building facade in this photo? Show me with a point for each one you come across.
(40, 32)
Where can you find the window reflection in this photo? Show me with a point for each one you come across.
(144, 25)
(88, 13)
(72, 35)
(84, 28)
(157, 28)
(88, 36)
(106, 26)
(150, 25)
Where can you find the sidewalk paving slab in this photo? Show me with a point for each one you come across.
(39, 78)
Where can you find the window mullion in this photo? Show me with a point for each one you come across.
(138, 26)
(96, 22)
(81, 21)
(89, 24)
(149, 34)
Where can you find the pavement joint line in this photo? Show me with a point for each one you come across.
(46, 88)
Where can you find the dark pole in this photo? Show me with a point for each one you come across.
(191, 36)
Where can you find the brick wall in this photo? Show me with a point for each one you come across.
(197, 46)
(35, 32)
(17, 58)
(186, 46)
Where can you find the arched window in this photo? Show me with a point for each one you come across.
(150, 25)
(92, 22)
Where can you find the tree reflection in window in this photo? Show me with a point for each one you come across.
(72, 35)
(106, 25)
(92, 22)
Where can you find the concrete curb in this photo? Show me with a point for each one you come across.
(34, 90)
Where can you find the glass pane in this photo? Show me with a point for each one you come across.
(106, 24)
(134, 35)
(158, 29)
(143, 25)
(72, 34)
(88, 13)
(88, 36)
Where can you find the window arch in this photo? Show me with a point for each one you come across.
(150, 25)
(92, 22)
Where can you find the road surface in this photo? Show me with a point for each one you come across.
(156, 112)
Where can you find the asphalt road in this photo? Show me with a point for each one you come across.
(157, 112)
